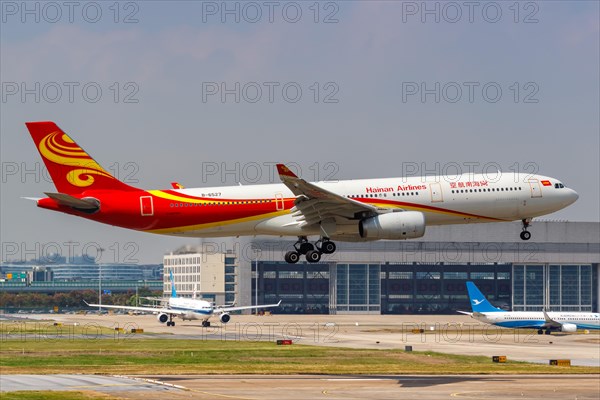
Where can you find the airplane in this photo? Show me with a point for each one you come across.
(543, 321)
(188, 309)
(345, 210)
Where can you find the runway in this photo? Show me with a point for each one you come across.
(301, 387)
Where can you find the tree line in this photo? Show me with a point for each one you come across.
(72, 299)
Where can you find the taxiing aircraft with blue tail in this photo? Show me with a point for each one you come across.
(543, 321)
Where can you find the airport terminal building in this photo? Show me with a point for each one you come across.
(557, 269)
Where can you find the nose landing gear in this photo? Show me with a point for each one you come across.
(525, 234)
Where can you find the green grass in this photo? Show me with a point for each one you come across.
(163, 356)
(24, 330)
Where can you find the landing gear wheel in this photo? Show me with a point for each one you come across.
(313, 256)
(292, 257)
(205, 324)
(525, 235)
(540, 331)
(170, 323)
(328, 247)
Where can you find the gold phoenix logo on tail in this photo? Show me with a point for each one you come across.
(61, 149)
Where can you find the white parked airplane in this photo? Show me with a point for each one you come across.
(187, 309)
(543, 321)
(352, 210)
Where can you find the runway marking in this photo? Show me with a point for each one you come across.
(357, 379)
(148, 380)
(222, 395)
(102, 385)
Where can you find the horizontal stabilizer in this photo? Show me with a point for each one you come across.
(70, 201)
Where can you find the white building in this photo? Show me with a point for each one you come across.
(213, 275)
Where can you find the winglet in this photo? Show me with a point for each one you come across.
(279, 303)
(177, 185)
(479, 303)
(283, 170)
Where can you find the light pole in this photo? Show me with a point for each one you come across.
(99, 287)
(100, 250)
(256, 252)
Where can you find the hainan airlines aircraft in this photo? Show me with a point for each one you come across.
(544, 322)
(351, 210)
(187, 309)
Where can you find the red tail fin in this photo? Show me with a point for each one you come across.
(72, 170)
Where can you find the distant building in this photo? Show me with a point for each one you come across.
(557, 269)
(50, 278)
(212, 275)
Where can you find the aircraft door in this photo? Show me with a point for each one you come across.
(279, 203)
(146, 206)
(536, 189)
(436, 192)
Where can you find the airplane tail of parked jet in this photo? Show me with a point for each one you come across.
(173, 290)
(479, 303)
(71, 168)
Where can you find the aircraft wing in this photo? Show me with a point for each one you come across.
(550, 323)
(465, 312)
(314, 204)
(224, 309)
(144, 309)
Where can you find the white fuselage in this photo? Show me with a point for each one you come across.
(443, 200)
(532, 319)
(196, 309)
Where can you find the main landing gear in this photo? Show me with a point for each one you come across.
(170, 322)
(312, 252)
(205, 324)
(525, 234)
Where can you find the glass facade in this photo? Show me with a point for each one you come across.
(555, 287)
(440, 288)
(357, 288)
(417, 288)
(303, 288)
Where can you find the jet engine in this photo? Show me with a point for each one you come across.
(162, 318)
(393, 226)
(225, 318)
(568, 328)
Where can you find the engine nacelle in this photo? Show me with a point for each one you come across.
(393, 226)
(162, 318)
(225, 318)
(568, 328)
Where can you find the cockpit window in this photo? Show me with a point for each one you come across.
(559, 185)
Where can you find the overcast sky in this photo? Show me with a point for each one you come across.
(208, 96)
